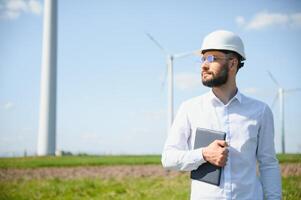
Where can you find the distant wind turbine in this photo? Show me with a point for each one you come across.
(169, 59)
(280, 95)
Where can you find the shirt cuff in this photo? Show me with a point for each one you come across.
(197, 156)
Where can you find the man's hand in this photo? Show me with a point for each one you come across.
(216, 153)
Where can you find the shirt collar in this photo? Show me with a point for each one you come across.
(214, 98)
(238, 96)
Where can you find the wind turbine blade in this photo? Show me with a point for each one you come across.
(292, 90)
(185, 54)
(156, 43)
(274, 101)
(164, 79)
(273, 79)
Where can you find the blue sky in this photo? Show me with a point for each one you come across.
(110, 95)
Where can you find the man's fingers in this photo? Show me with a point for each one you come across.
(216, 153)
(223, 162)
(221, 143)
(225, 151)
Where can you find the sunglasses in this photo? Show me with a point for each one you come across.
(212, 58)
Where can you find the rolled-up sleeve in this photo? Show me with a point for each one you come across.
(176, 153)
(266, 156)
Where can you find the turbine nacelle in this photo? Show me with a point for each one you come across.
(169, 75)
(280, 95)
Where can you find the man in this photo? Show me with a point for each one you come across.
(248, 125)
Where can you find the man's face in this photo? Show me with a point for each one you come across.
(215, 73)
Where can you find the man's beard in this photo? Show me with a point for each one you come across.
(218, 80)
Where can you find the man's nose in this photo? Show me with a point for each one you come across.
(205, 66)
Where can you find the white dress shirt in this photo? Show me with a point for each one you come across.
(249, 128)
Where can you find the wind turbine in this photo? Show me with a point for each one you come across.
(280, 95)
(169, 61)
(47, 123)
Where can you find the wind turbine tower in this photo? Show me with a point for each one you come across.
(280, 94)
(170, 93)
(47, 121)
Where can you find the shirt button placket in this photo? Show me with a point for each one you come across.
(228, 166)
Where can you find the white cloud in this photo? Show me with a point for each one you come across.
(186, 81)
(12, 9)
(8, 106)
(35, 7)
(240, 20)
(258, 92)
(296, 20)
(265, 19)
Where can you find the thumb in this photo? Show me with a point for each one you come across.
(222, 143)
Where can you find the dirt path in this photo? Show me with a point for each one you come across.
(105, 172)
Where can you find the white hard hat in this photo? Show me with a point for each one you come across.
(224, 40)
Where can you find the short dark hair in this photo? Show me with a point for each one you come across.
(237, 56)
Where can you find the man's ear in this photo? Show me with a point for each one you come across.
(233, 63)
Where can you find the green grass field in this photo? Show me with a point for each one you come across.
(136, 188)
(71, 161)
(68, 161)
(150, 188)
(129, 188)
